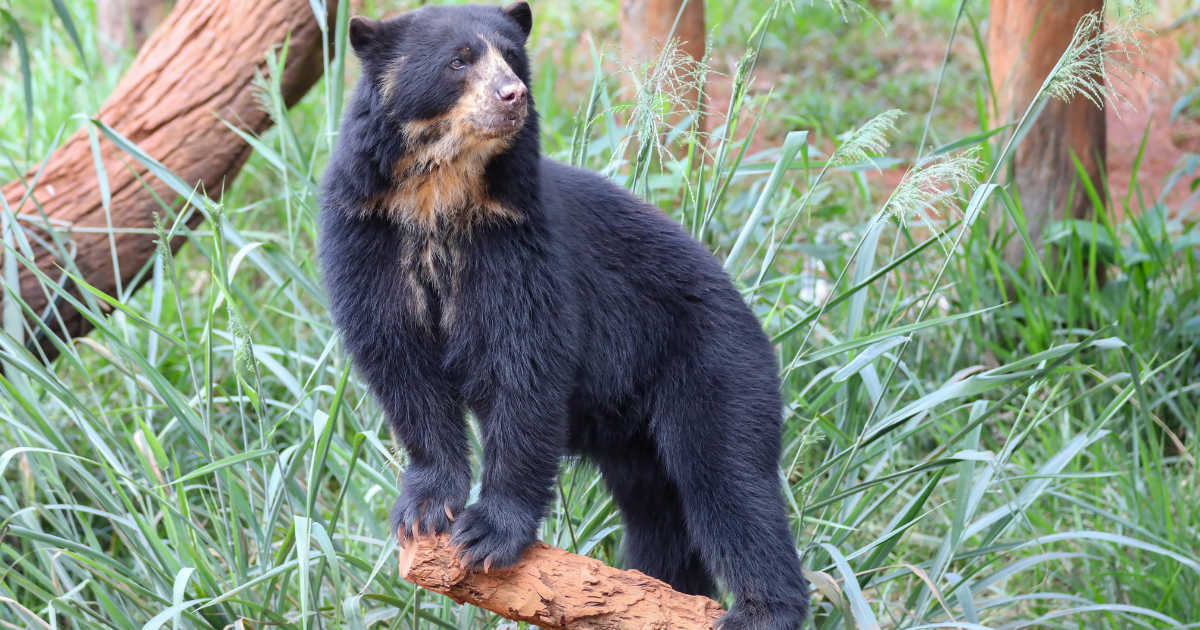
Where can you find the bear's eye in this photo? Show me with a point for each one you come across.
(510, 55)
(457, 64)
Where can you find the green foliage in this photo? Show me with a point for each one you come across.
(966, 444)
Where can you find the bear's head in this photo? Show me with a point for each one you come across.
(453, 79)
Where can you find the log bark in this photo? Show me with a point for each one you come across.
(557, 590)
(126, 25)
(196, 69)
(1025, 40)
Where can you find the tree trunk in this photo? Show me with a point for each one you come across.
(646, 27)
(126, 24)
(646, 24)
(196, 69)
(556, 590)
(1025, 40)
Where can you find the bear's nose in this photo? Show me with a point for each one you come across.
(513, 94)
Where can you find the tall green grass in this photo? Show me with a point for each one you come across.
(956, 456)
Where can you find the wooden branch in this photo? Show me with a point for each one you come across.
(557, 590)
(196, 69)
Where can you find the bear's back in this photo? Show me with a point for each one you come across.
(608, 230)
(650, 293)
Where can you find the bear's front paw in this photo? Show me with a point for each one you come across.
(422, 509)
(757, 615)
(490, 538)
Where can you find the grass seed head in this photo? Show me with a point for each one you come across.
(870, 138)
(667, 85)
(932, 183)
(1099, 54)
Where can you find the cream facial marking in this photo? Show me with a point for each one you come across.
(438, 183)
(393, 75)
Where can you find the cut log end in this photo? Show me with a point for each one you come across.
(557, 590)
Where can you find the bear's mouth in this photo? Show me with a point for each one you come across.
(500, 126)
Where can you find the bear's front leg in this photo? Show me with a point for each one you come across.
(431, 500)
(523, 440)
(516, 348)
(429, 422)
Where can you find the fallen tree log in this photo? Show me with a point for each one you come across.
(196, 69)
(557, 590)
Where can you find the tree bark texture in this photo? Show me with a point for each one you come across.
(646, 25)
(1025, 40)
(195, 70)
(126, 24)
(557, 590)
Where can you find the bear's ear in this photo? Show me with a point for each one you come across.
(522, 15)
(364, 34)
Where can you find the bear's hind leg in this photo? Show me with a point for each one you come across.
(656, 538)
(722, 453)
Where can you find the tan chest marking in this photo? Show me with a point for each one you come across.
(433, 264)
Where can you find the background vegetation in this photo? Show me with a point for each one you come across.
(967, 445)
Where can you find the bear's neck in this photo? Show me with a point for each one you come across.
(439, 183)
(430, 177)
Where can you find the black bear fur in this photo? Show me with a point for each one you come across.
(567, 315)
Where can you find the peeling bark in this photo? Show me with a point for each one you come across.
(557, 590)
(195, 70)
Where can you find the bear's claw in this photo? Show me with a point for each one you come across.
(487, 538)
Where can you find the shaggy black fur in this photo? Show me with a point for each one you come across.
(579, 321)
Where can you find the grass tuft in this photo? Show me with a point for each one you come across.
(857, 145)
(933, 183)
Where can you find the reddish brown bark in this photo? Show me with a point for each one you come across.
(646, 25)
(557, 590)
(1025, 41)
(197, 68)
